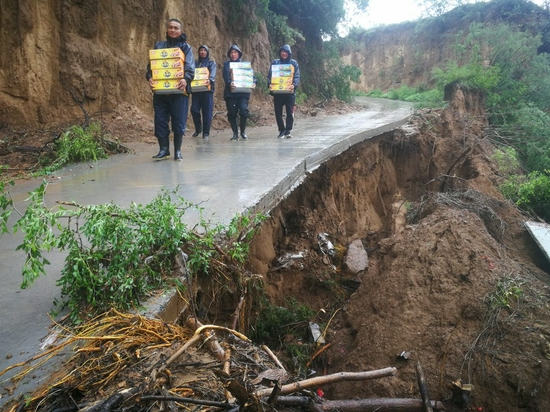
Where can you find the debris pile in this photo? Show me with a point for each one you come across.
(130, 362)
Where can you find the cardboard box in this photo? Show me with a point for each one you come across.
(168, 74)
(242, 77)
(239, 74)
(281, 80)
(281, 88)
(167, 64)
(198, 86)
(166, 86)
(202, 73)
(242, 86)
(278, 70)
(240, 65)
(172, 53)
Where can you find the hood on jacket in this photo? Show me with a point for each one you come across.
(286, 48)
(235, 47)
(205, 47)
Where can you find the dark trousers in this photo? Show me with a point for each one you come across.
(280, 101)
(236, 106)
(202, 102)
(170, 108)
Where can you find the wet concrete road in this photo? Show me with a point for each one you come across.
(225, 177)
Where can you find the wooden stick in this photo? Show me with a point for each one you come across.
(273, 357)
(237, 312)
(423, 388)
(274, 394)
(328, 379)
(169, 404)
(324, 348)
(212, 342)
(227, 369)
(360, 405)
(223, 405)
(194, 339)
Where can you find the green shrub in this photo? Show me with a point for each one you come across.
(506, 159)
(79, 144)
(507, 293)
(6, 203)
(337, 83)
(530, 193)
(421, 98)
(527, 129)
(117, 256)
(300, 97)
(473, 75)
(274, 322)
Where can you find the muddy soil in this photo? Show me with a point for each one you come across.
(453, 278)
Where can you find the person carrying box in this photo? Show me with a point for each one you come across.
(237, 91)
(283, 79)
(172, 104)
(203, 100)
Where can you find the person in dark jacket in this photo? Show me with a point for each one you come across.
(286, 100)
(204, 101)
(236, 103)
(172, 108)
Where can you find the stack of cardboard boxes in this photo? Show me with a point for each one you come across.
(281, 78)
(167, 67)
(242, 77)
(199, 83)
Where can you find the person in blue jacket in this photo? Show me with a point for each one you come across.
(172, 108)
(236, 103)
(286, 100)
(204, 101)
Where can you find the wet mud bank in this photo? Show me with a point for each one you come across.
(442, 244)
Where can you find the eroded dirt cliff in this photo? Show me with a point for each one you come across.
(406, 54)
(445, 253)
(61, 58)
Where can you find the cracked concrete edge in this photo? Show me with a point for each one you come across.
(298, 174)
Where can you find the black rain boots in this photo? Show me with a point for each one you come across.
(243, 128)
(164, 149)
(233, 123)
(178, 139)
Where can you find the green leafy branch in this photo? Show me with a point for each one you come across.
(117, 256)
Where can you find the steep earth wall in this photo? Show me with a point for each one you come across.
(60, 57)
(406, 54)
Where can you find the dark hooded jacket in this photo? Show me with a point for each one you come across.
(181, 42)
(288, 60)
(210, 64)
(227, 75)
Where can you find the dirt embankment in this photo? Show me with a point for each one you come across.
(455, 279)
(64, 59)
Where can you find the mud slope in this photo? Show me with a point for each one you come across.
(442, 278)
(67, 58)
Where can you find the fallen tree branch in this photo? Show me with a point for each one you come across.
(359, 405)
(273, 357)
(328, 379)
(223, 405)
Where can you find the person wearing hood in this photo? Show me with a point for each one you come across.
(204, 101)
(236, 103)
(172, 108)
(286, 100)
